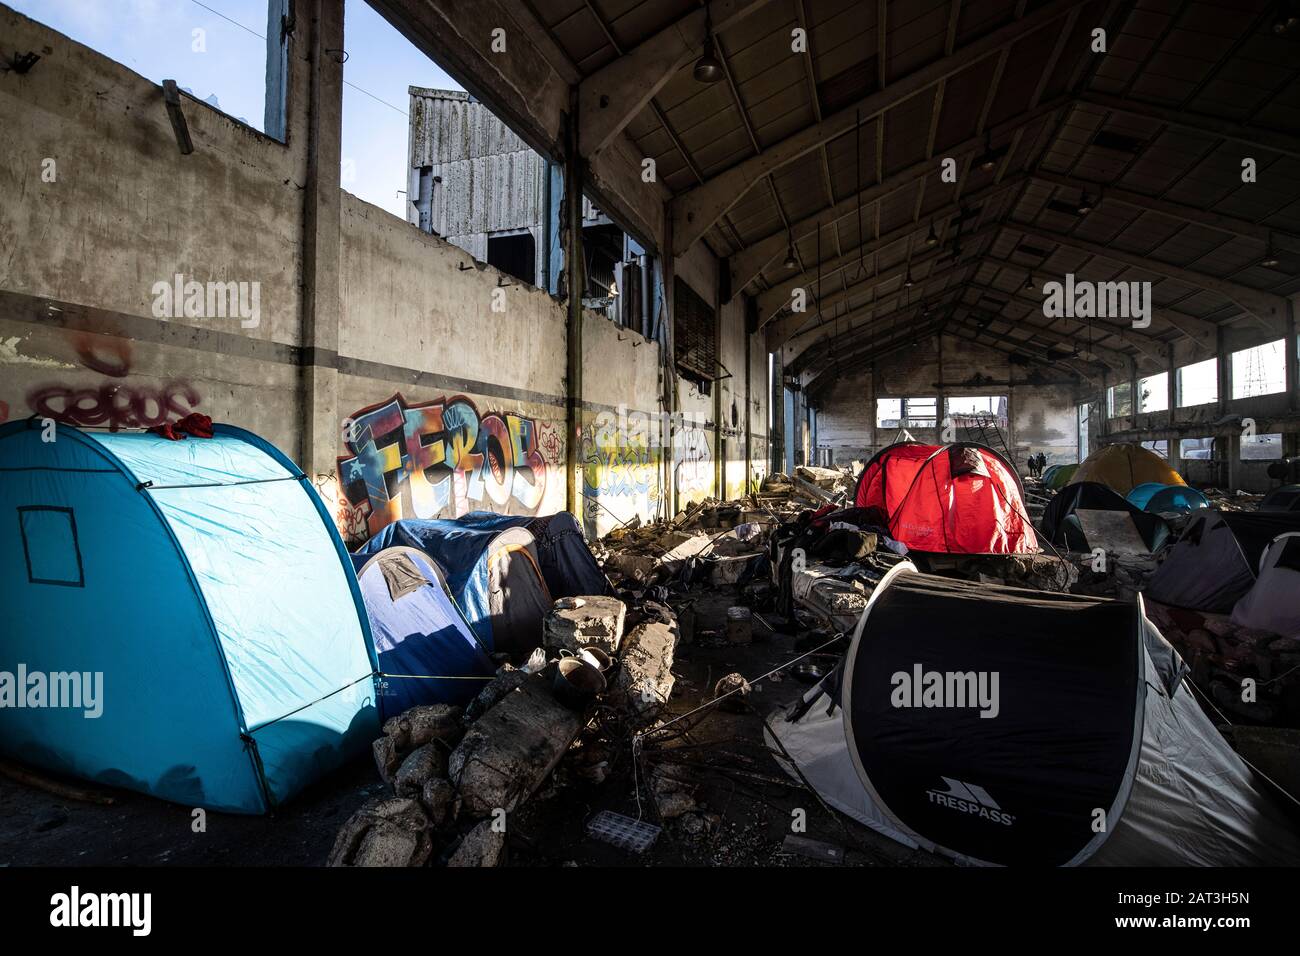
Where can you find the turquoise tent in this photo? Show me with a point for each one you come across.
(197, 595)
(1158, 498)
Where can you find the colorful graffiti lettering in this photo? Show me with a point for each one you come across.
(617, 462)
(439, 458)
(692, 461)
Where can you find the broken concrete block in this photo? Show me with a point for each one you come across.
(508, 678)
(645, 679)
(440, 801)
(387, 758)
(482, 846)
(417, 726)
(384, 832)
(421, 765)
(507, 753)
(575, 623)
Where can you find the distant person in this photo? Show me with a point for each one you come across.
(1042, 464)
(1033, 466)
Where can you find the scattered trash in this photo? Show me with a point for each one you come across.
(621, 831)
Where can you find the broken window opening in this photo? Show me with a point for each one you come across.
(235, 60)
(1119, 400)
(1197, 384)
(1260, 370)
(1262, 447)
(1153, 393)
(695, 334)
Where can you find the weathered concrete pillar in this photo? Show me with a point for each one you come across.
(576, 280)
(321, 254)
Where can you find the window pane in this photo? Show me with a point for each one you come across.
(1159, 446)
(1119, 400)
(889, 411)
(1196, 449)
(1259, 371)
(1153, 393)
(1198, 384)
(922, 412)
(1261, 447)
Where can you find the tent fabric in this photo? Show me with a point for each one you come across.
(567, 563)
(1122, 467)
(1153, 497)
(1060, 526)
(1272, 603)
(1286, 498)
(1091, 711)
(1059, 477)
(205, 581)
(960, 499)
(492, 571)
(427, 652)
(1216, 561)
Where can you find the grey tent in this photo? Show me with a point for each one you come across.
(1286, 498)
(1273, 604)
(1002, 726)
(1216, 560)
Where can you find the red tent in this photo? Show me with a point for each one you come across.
(960, 499)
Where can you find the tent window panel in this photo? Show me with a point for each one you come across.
(1197, 384)
(50, 546)
(1261, 447)
(1153, 393)
(695, 336)
(1259, 371)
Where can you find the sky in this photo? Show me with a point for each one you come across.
(225, 65)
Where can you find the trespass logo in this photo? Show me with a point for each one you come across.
(970, 799)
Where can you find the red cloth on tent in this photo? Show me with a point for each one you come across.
(200, 426)
(958, 499)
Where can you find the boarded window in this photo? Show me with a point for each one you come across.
(695, 336)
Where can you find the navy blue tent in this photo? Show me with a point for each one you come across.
(202, 587)
(566, 561)
(492, 571)
(428, 654)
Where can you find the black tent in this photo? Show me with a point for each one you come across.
(1216, 560)
(1001, 725)
(1286, 498)
(1060, 523)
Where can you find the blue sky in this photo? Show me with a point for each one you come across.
(155, 38)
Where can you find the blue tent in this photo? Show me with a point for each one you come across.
(567, 564)
(202, 585)
(1156, 498)
(427, 652)
(492, 570)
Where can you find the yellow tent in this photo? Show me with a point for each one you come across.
(1122, 467)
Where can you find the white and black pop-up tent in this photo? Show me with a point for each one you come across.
(998, 725)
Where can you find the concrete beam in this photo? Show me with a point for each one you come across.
(1200, 331)
(1266, 306)
(1201, 217)
(1199, 123)
(1108, 356)
(777, 299)
(611, 97)
(697, 209)
(1144, 343)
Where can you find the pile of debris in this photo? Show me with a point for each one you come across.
(456, 775)
(1250, 674)
(718, 544)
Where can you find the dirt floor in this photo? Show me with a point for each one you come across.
(746, 802)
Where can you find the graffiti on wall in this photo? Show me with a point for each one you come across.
(440, 459)
(618, 462)
(113, 403)
(692, 461)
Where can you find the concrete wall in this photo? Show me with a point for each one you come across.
(1041, 416)
(445, 388)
